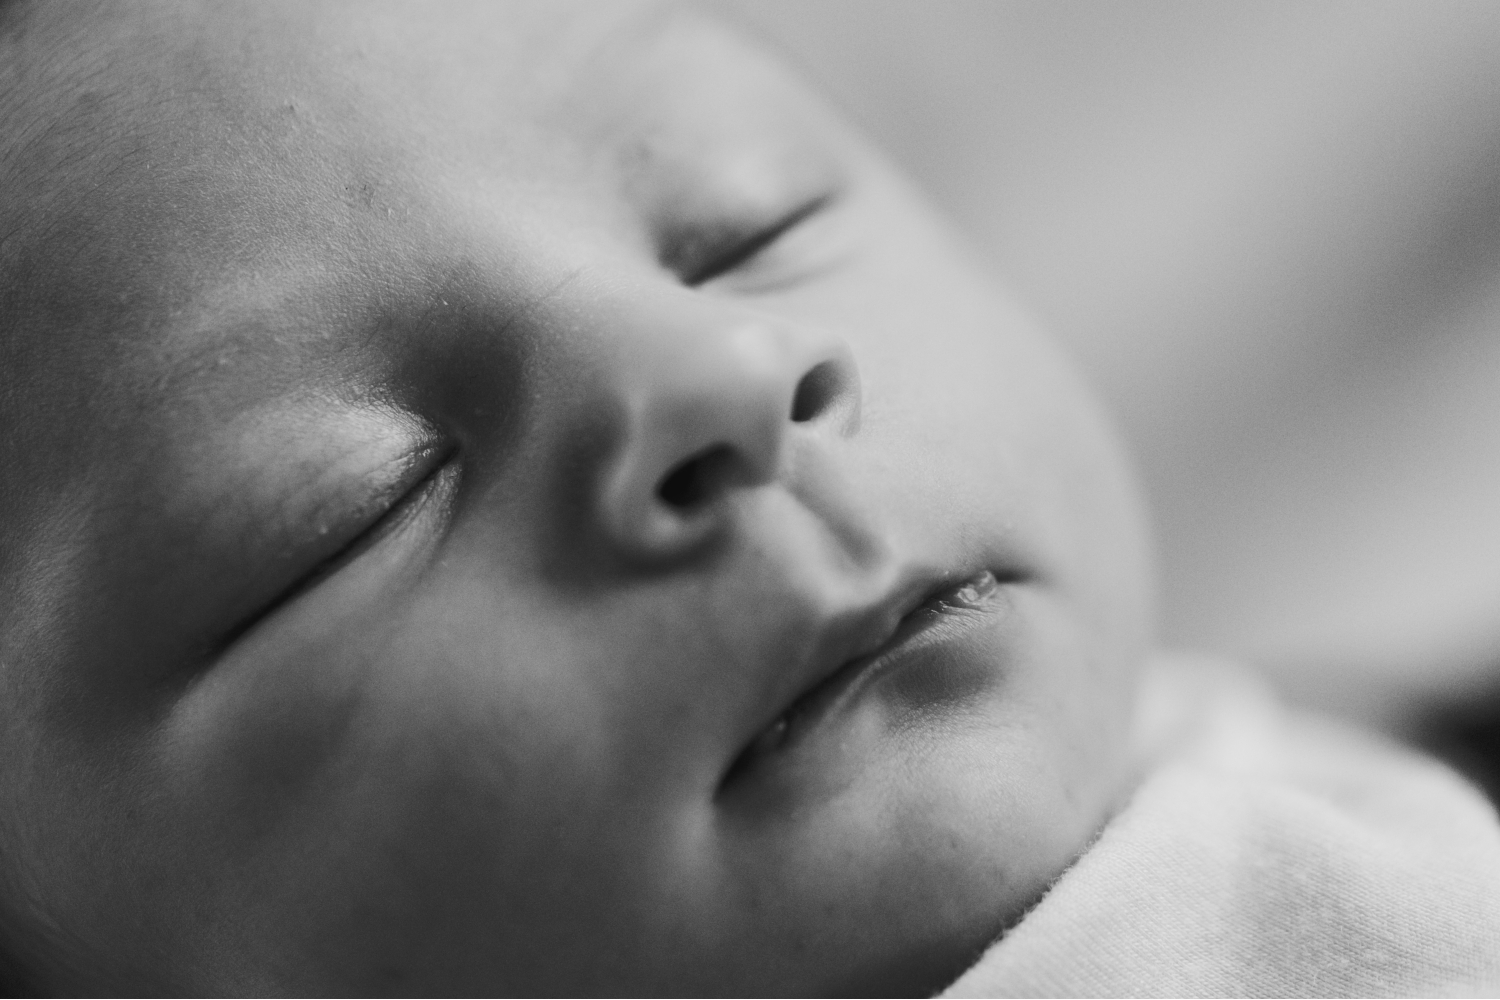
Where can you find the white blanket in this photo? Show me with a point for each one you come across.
(1266, 854)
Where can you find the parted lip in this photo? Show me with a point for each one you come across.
(849, 645)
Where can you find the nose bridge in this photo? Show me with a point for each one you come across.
(709, 393)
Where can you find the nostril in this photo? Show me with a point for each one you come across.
(698, 478)
(816, 392)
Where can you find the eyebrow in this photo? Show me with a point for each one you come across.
(247, 318)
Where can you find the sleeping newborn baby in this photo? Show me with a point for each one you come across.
(521, 499)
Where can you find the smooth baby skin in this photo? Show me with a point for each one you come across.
(454, 463)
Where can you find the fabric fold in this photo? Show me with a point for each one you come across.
(1266, 853)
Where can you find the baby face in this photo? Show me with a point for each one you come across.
(519, 498)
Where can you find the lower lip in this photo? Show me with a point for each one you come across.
(940, 652)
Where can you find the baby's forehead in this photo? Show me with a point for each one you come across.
(204, 121)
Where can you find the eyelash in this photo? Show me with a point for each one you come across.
(390, 518)
(740, 253)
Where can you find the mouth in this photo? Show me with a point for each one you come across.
(938, 615)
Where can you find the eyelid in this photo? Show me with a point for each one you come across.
(429, 459)
(746, 249)
(381, 514)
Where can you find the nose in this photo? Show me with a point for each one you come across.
(709, 406)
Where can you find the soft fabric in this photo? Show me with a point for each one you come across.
(1266, 854)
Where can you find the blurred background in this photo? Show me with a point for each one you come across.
(1270, 233)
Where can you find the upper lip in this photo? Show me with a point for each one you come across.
(854, 638)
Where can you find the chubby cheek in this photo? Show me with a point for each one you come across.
(270, 813)
(419, 794)
(942, 838)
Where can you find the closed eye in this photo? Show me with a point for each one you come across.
(375, 519)
(740, 252)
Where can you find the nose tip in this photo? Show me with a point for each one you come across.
(709, 416)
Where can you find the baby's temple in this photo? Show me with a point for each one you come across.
(526, 499)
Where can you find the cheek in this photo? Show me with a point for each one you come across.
(339, 795)
(963, 390)
(972, 414)
(964, 822)
(427, 790)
